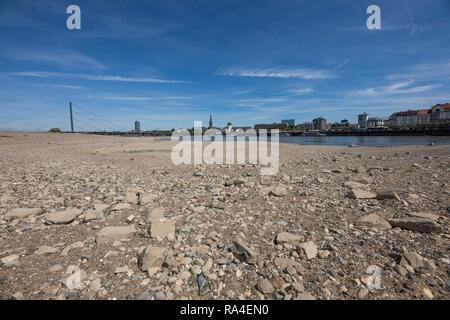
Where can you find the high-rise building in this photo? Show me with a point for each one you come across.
(289, 122)
(137, 126)
(362, 120)
(320, 124)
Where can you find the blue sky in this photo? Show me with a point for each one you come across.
(169, 63)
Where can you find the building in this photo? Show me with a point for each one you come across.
(289, 122)
(375, 122)
(273, 126)
(411, 118)
(320, 124)
(440, 113)
(137, 126)
(210, 126)
(362, 120)
(306, 126)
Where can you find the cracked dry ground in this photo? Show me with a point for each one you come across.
(91, 217)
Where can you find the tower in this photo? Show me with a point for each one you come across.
(210, 122)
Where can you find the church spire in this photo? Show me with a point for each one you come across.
(210, 121)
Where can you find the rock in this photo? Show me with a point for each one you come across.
(75, 280)
(147, 198)
(202, 285)
(78, 244)
(427, 293)
(62, 217)
(286, 237)
(305, 296)
(283, 263)
(355, 185)
(123, 269)
(44, 250)
(10, 260)
(244, 253)
(363, 293)
(92, 215)
(375, 221)
(416, 224)
(265, 286)
(132, 197)
(152, 257)
(159, 295)
(121, 206)
(423, 215)
(23, 213)
(278, 191)
(413, 259)
(388, 195)
(362, 194)
(111, 234)
(162, 229)
(95, 284)
(155, 214)
(309, 249)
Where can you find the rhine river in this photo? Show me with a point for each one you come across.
(367, 141)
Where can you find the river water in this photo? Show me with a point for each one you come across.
(367, 141)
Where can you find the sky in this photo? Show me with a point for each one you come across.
(170, 63)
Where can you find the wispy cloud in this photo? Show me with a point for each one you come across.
(132, 98)
(424, 71)
(395, 88)
(94, 77)
(60, 58)
(302, 73)
(300, 92)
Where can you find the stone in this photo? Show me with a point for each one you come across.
(416, 224)
(283, 263)
(265, 286)
(244, 253)
(123, 269)
(423, 215)
(362, 194)
(95, 284)
(413, 259)
(75, 280)
(155, 214)
(92, 215)
(132, 197)
(10, 260)
(309, 249)
(286, 237)
(162, 229)
(78, 244)
(44, 250)
(355, 185)
(152, 257)
(362, 293)
(112, 234)
(427, 293)
(278, 191)
(147, 198)
(62, 217)
(388, 195)
(375, 221)
(22, 213)
(305, 296)
(121, 206)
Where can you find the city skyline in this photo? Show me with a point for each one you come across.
(169, 64)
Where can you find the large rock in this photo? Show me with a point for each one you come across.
(413, 259)
(309, 249)
(278, 191)
(244, 253)
(9, 260)
(147, 198)
(387, 195)
(162, 229)
(132, 196)
(416, 224)
(111, 234)
(62, 217)
(286, 237)
(375, 221)
(152, 257)
(283, 263)
(423, 215)
(362, 194)
(155, 214)
(22, 213)
(265, 286)
(45, 250)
